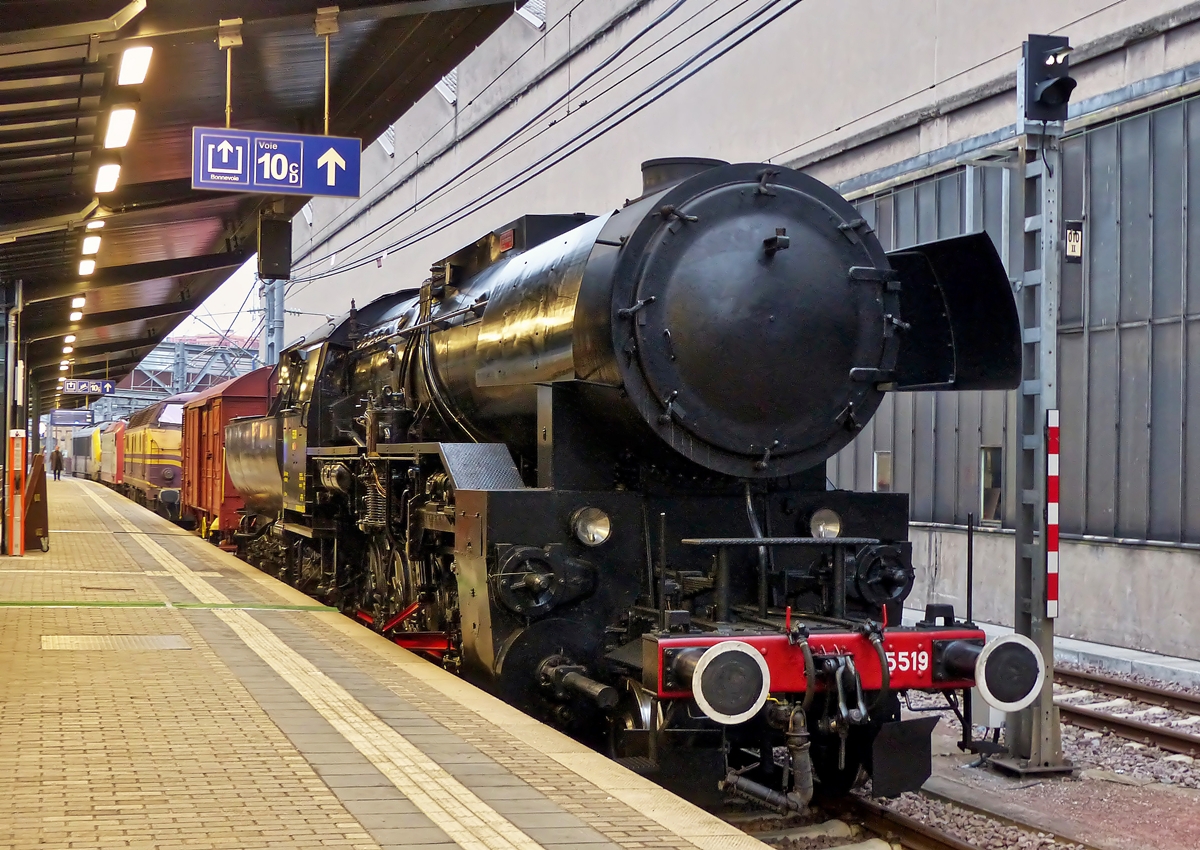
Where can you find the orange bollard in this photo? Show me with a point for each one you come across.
(14, 492)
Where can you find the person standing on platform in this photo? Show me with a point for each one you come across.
(56, 463)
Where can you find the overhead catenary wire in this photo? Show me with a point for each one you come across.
(539, 40)
(573, 144)
(582, 86)
(414, 237)
(535, 168)
(883, 108)
(459, 180)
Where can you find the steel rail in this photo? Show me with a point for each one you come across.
(1163, 737)
(894, 826)
(1129, 690)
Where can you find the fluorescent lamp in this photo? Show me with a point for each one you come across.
(65, 363)
(69, 338)
(95, 224)
(78, 302)
(67, 349)
(91, 244)
(87, 266)
(62, 367)
(120, 125)
(134, 63)
(107, 176)
(76, 316)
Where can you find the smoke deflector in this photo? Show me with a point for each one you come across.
(964, 332)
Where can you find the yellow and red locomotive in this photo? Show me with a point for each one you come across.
(153, 469)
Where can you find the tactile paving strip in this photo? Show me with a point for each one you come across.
(119, 643)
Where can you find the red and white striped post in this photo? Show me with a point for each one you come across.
(1051, 513)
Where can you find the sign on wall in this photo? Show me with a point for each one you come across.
(1074, 242)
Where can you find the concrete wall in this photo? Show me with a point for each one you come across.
(822, 73)
(1140, 597)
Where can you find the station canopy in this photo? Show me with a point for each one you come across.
(164, 247)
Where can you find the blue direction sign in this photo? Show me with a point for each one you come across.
(275, 163)
(80, 387)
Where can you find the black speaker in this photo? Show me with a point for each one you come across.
(274, 249)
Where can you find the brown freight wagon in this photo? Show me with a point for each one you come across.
(208, 494)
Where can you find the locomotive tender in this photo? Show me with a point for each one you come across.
(584, 464)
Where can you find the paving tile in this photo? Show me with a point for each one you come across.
(361, 779)
(388, 807)
(104, 749)
(565, 835)
(370, 792)
(382, 826)
(545, 820)
(218, 750)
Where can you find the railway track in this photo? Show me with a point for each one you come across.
(1132, 728)
(860, 822)
(896, 827)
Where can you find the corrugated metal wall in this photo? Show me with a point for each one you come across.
(1129, 397)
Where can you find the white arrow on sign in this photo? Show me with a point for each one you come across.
(107, 386)
(331, 160)
(226, 149)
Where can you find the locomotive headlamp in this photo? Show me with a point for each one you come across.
(591, 525)
(825, 524)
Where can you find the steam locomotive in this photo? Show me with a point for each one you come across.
(584, 465)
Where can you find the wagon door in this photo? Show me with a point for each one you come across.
(212, 459)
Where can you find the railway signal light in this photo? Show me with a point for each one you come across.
(1048, 83)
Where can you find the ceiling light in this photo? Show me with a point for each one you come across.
(65, 363)
(76, 316)
(67, 349)
(69, 338)
(91, 244)
(134, 63)
(120, 125)
(62, 366)
(107, 176)
(78, 302)
(87, 266)
(95, 224)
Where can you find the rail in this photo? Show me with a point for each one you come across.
(894, 826)
(1163, 737)
(1149, 694)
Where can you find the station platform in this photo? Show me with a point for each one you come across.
(158, 692)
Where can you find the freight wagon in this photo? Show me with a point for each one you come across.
(208, 495)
